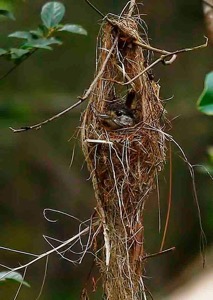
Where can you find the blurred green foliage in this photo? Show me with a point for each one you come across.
(205, 102)
(8, 14)
(34, 166)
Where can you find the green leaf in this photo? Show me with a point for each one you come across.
(205, 102)
(18, 53)
(43, 43)
(13, 276)
(210, 153)
(74, 28)
(2, 51)
(20, 35)
(52, 13)
(206, 168)
(7, 13)
(37, 33)
(40, 32)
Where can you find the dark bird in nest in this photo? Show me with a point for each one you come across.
(119, 114)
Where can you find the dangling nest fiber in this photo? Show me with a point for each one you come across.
(123, 162)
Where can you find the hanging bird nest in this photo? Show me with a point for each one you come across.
(123, 160)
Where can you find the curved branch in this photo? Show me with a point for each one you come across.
(82, 99)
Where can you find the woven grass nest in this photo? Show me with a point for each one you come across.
(123, 162)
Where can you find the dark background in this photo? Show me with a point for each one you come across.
(34, 166)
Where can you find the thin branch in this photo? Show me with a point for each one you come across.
(101, 70)
(44, 278)
(158, 253)
(8, 72)
(163, 58)
(38, 126)
(158, 201)
(169, 199)
(21, 284)
(18, 251)
(17, 65)
(82, 99)
(131, 8)
(95, 8)
(192, 49)
(149, 47)
(67, 242)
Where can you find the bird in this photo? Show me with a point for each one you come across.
(119, 114)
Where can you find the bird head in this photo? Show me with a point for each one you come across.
(119, 114)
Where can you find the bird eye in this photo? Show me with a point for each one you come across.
(118, 113)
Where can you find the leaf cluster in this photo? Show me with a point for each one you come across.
(44, 37)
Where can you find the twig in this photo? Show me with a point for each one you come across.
(149, 47)
(163, 58)
(131, 8)
(8, 72)
(67, 242)
(18, 251)
(158, 253)
(157, 61)
(95, 8)
(192, 49)
(38, 126)
(158, 201)
(145, 46)
(21, 284)
(101, 70)
(44, 278)
(82, 99)
(17, 65)
(169, 199)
